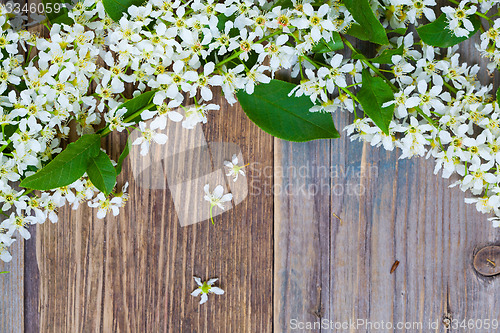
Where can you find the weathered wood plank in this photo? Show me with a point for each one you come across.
(410, 215)
(70, 256)
(19, 287)
(12, 288)
(133, 272)
(31, 284)
(302, 216)
(407, 214)
(383, 210)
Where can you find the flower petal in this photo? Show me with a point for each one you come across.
(216, 291)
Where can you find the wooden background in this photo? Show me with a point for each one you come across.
(315, 239)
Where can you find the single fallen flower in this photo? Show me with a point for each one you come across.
(204, 288)
(216, 198)
(234, 168)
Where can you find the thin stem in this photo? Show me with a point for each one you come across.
(234, 56)
(237, 54)
(28, 55)
(450, 87)
(105, 131)
(370, 65)
(426, 117)
(28, 192)
(301, 70)
(347, 91)
(314, 63)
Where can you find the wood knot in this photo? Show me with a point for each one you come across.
(487, 261)
(447, 320)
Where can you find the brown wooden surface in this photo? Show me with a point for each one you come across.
(301, 231)
(382, 209)
(134, 272)
(315, 244)
(12, 289)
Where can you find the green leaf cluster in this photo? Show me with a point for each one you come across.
(58, 16)
(333, 45)
(372, 96)
(368, 27)
(83, 155)
(437, 34)
(116, 8)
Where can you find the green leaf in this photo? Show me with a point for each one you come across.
(102, 173)
(372, 95)
(283, 4)
(363, 14)
(122, 157)
(498, 95)
(399, 31)
(355, 30)
(66, 167)
(9, 130)
(134, 106)
(437, 33)
(59, 10)
(221, 24)
(137, 103)
(4, 272)
(334, 44)
(286, 117)
(116, 8)
(386, 56)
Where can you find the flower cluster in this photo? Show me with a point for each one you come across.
(443, 111)
(450, 116)
(161, 46)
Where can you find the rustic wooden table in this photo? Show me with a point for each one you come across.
(316, 238)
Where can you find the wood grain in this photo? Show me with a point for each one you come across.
(382, 209)
(31, 284)
(302, 218)
(12, 289)
(19, 287)
(334, 215)
(407, 214)
(134, 272)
